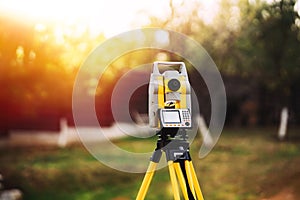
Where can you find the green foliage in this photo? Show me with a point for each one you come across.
(270, 44)
(37, 70)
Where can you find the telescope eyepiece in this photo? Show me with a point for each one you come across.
(174, 84)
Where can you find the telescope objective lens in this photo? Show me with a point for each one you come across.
(174, 85)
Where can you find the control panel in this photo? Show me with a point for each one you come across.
(175, 118)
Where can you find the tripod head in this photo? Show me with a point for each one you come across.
(169, 96)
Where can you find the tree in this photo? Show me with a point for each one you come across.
(37, 71)
(269, 48)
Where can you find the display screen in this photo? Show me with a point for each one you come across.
(171, 116)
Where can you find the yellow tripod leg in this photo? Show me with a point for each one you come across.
(196, 183)
(189, 176)
(181, 180)
(173, 180)
(147, 180)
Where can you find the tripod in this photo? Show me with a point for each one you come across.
(173, 141)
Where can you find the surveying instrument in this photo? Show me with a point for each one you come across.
(170, 113)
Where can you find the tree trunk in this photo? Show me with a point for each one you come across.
(207, 138)
(283, 124)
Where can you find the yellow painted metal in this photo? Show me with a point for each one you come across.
(173, 180)
(177, 105)
(161, 92)
(183, 92)
(146, 182)
(189, 177)
(181, 180)
(195, 180)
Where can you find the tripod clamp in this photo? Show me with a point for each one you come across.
(174, 143)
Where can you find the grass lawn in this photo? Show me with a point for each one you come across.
(245, 165)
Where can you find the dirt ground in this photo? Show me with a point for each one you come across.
(285, 194)
(287, 187)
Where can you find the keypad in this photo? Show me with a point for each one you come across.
(186, 115)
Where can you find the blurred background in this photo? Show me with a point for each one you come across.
(255, 45)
